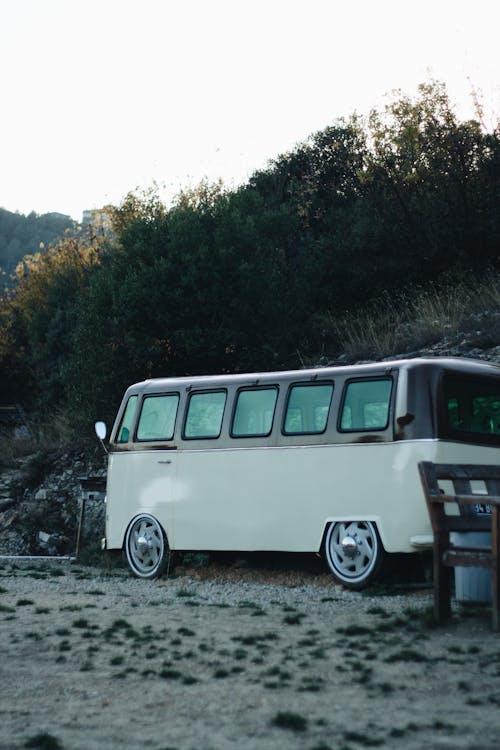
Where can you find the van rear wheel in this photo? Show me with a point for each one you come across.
(354, 552)
(146, 547)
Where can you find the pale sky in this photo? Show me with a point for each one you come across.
(101, 97)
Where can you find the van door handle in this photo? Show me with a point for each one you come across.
(167, 461)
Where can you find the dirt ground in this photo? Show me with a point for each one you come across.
(228, 658)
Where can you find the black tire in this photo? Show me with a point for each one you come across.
(354, 553)
(146, 547)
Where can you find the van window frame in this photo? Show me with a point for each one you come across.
(365, 379)
(121, 426)
(445, 428)
(203, 391)
(146, 397)
(252, 388)
(307, 384)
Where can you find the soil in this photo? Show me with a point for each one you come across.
(231, 657)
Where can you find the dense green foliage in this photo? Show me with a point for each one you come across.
(21, 235)
(244, 279)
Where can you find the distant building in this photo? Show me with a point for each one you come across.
(98, 218)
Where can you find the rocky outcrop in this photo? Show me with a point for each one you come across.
(41, 501)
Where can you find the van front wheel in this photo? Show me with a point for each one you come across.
(146, 547)
(354, 552)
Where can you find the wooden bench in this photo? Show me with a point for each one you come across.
(448, 555)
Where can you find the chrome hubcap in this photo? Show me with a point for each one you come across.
(144, 543)
(349, 546)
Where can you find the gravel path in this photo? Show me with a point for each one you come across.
(223, 658)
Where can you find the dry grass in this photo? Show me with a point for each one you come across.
(39, 438)
(396, 325)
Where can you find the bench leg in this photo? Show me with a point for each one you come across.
(442, 579)
(495, 573)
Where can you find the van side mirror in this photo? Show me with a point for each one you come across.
(101, 430)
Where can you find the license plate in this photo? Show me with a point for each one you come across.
(481, 508)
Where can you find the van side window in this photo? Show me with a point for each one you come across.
(204, 415)
(254, 412)
(366, 405)
(157, 419)
(473, 405)
(307, 408)
(123, 434)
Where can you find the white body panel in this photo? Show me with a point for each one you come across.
(278, 498)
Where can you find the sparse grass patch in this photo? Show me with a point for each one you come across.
(121, 627)
(311, 685)
(81, 623)
(295, 619)
(245, 604)
(290, 720)
(56, 572)
(33, 635)
(439, 724)
(184, 593)
(239, 654)
(252, 640)
(406, 654)
(303, 642)
(474, 702)
(366, 739)
(43, 741)
(385, 687)
(423, 618)
(170, 674)
(185, 631)
(354, 630)
(376, 610)
(398, 732)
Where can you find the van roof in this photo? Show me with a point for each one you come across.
(470, 366)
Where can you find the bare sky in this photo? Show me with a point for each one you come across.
(100, 97)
